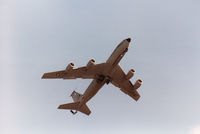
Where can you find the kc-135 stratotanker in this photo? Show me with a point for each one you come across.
(107, 72)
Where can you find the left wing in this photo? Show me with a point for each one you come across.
(81, 72)
(125, 85)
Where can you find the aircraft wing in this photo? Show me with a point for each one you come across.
(125, 85)
(81, 72)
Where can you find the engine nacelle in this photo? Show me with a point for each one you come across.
(137, 84)
(130, 74)
(90, 63)
(69, 67)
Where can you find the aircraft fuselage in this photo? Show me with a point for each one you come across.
(113, 60)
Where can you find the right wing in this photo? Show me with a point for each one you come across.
(125, 85)
(81, 72)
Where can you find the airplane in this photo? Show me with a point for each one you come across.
(103, 73)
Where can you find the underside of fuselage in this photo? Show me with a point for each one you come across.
(101, 79)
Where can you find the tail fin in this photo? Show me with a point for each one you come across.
(76, 96)
(75, 106)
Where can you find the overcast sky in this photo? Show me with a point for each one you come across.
(38, 36)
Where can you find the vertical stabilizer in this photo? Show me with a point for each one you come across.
(76, 96)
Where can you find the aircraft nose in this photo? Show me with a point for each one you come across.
(128, 39)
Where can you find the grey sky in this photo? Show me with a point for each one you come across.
(38, 36)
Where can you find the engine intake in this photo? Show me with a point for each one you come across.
(69, 67)
(137, 84)
(90, 63)
(130, 74)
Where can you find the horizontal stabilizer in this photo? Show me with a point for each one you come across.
(75, 106)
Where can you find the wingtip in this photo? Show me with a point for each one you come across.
(43, 76)
(137, 98)
(60, 107)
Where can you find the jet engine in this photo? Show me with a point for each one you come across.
(69, 67)
(90, 63)
(130, 74)
(137, 84)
